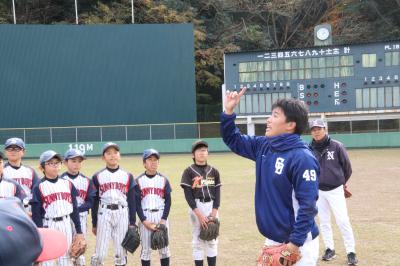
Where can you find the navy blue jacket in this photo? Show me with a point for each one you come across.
(286, 182)
(335, 165)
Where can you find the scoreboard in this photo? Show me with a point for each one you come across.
(353, 78)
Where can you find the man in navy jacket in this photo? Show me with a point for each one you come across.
(286, 175)
(335, 172)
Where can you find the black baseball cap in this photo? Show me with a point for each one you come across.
(198, 144)
(21, 242)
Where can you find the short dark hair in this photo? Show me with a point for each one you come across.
(295, 111)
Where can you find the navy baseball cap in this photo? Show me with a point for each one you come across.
(21, 242)
(317, 123)
(149, 152)
(198, 144)
(48, 155)
(14, 142)
(73, 153)
(109, 145)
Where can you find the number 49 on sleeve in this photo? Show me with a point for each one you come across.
(310, 175)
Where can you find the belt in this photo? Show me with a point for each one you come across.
(112, 207)
(57, 219)
(152, 210)
(205, 200)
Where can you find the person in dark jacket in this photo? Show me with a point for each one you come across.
(335, 172)
(286, 175)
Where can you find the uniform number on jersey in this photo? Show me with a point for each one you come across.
(310, 175)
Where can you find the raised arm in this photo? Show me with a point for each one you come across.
(244, 145)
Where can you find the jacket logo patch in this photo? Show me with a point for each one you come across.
(330, 155)
(279, 165)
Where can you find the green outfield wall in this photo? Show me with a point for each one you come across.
(91, 75)
(364, 140)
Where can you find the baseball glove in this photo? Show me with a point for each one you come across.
(277, 256)
(78, 246)
(212, 230)
(159, 238)
(347, 193)
(131, 240)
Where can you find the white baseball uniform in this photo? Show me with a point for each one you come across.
(154, 193)
(86, 193)
(113, 211)
(53, 205)
(23, 175)
(10, 188)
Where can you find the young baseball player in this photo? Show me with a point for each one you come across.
(153, 201)
(54, 202)
(9, 188)
(15, 170)
(201, 184)
(286, 175)
(114, 206)
(73, 159)
(335, 172)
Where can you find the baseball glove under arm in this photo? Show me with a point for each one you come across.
(78, 246)
(159, 237)
(212, 230)
(131, 240)
(277, 256)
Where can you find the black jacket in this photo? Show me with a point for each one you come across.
(334, 163)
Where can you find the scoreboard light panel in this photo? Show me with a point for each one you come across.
(338, 78)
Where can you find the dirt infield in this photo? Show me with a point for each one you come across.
(374, 209)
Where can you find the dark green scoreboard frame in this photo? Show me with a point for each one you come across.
(67, 75)
(336, 78)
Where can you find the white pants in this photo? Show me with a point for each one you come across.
(83, 218)
(110, 224)
(145, 236)
(334, 200)
(309, 251)
(63, 226)
(210, 247)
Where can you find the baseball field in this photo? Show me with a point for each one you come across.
(374, 208)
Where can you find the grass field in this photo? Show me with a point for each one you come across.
(374, 209)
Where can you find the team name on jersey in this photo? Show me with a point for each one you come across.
(199, 182)
(153, 190)
(24, 181)
(49, 199)
(82, 193)
(56, 197)
(113, 185)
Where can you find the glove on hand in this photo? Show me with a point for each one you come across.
(159, 238)
(131, 240)
(277, 256)
(212, 230)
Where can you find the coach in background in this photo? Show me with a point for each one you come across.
(335, 172)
